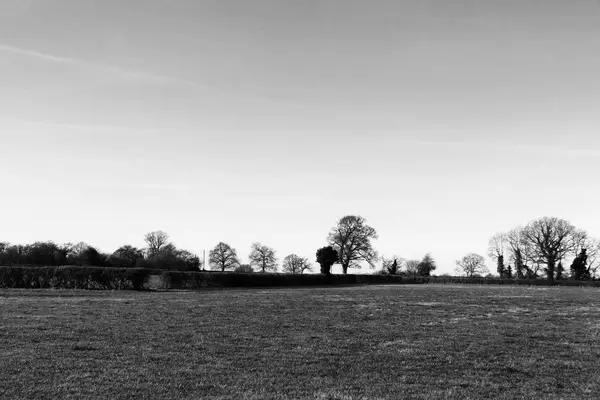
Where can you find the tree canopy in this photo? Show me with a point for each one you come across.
(351, 237)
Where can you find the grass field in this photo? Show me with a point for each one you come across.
(367, 342)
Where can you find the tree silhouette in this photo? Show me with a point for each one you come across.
(156, 241)
(426, 266)
(550, 239)
(471, 264)
(263, 257)
(351, 237)
(326, 257)
(223, 257)
(294, 264)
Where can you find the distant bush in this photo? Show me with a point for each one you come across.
(246, 268)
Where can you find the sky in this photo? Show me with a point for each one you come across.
(440, 122)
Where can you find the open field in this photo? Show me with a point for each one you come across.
(365, 342)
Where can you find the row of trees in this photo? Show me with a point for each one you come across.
(224, 257)
(159, 253)
(546, 246)
(350, 245)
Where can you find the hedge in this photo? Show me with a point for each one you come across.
(498, 281)
(107, 278)
(74, 277)
(190, 280)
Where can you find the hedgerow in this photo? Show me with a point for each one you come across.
(108, 278)
(498, 281)
(73, 277)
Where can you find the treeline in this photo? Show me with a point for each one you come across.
(547, 247)
(550, 248)
(160, 253)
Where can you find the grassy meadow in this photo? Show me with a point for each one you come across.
(346, 343)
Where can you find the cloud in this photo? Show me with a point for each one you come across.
(147, 77)
(77, 62)
(496, 145)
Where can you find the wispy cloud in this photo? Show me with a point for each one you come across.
(81, 63)
(496, 145)
(143, 76)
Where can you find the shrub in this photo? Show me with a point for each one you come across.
(246, 268)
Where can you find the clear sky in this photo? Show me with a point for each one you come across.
(441, 122)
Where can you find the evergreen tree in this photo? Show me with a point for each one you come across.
(519, 266)
(579, 269)
(509, 272)
(326, 257)
(500, 266)
(559, 271)
(426, 265)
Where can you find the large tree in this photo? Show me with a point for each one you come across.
(550, 239)
(294, 264)
(593, 257)
(156, 241)
(184, 260)
(82, 254)
(326, 257)
(412, 267)
(579, 268)
(519, 253)
(592, 252)
(472, 264)
(426, 266)
(43, 253)
(496, 249)
(126, 256)
(223, 257)
(263, 257)
(351, 237)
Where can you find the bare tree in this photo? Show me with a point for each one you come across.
(294, 264)
(519, 252)
(156, 241)
(497, 245)
(351, 237)
(412, 267)
(496, 248)
(223, 257)
(263, 257)
(593, 256)
(471, 264)
(550, 239)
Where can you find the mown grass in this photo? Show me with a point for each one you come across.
(367, 342)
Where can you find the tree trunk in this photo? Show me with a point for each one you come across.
(550, 269)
